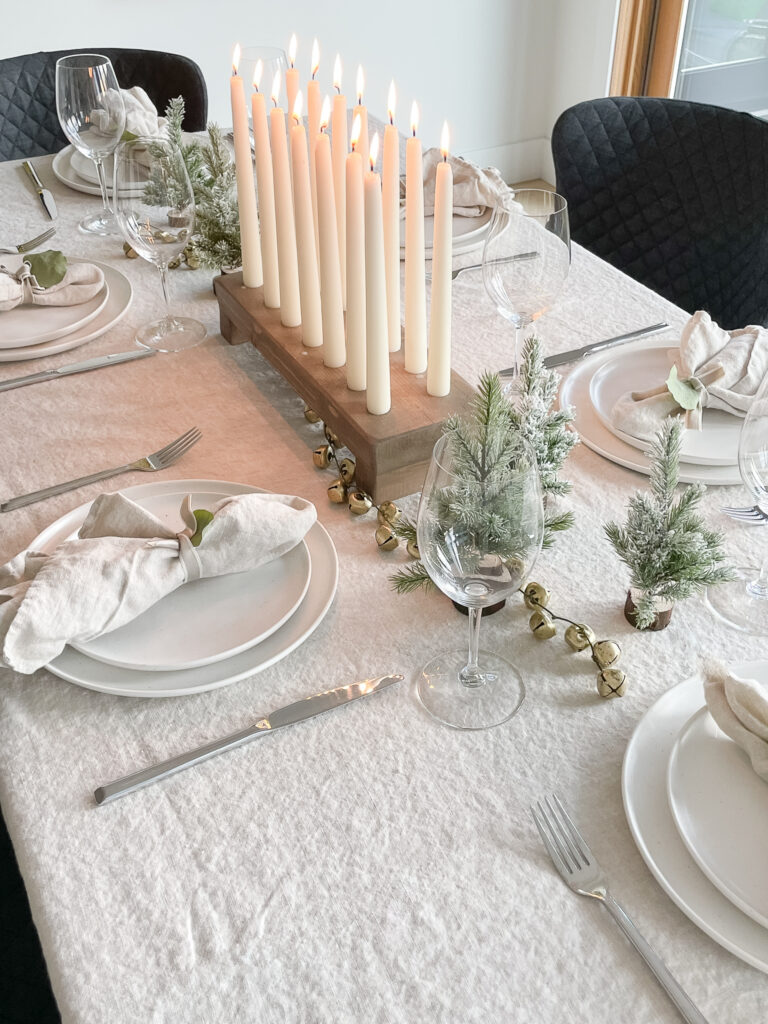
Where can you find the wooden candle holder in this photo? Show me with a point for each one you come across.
(392, 451)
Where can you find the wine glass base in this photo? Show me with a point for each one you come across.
(171, 334)
(448, 700)
(101, 223)
(732, 603)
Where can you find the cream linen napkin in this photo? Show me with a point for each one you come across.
(124, 560)
(743, 357)
(81, 282)
(740, 709)
(474, 188)
(140, 112)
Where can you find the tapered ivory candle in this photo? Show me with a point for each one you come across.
(314, 104)
(355, 266)
(292, 74)
(361, 112)
(287, 262)
(309, 280)
(339, 152)
(377, 393)
(439, 355)
(415, 291)
(266, 190)
(250, 244)
(334, 347)
(390, 183)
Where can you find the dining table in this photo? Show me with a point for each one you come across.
(371, 865)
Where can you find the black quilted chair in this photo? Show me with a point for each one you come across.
(675, 194)
(28, 122)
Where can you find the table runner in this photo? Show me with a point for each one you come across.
(372, 866)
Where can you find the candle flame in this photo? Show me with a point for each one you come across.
(325, 113)
(235, 58)
(445, 139)
(337, 74)
(414, 118)
(298, 105)
(258, 71)
(276, 87)
(315, 57)
(391, 102)
(360, 84)
(374, 153)
(292, 49)
(357, 127)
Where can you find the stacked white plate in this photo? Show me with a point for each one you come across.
(469, 233)
(699, 816)
(79, 172)
(211, 632)
(593, 387)
(30, 332)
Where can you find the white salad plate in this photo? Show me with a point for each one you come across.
(26, 326)
(644, 790)
(574, 391)
(720, 807)
(468, 232)
(63, 167)
(163, 499)
(120, 294)
(716, 444)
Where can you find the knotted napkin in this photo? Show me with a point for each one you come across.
(124, 560)
(706, 350)
(140, 113)
(81, 283)
(740, 708)
(474, 188)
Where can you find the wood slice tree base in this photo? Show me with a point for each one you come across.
(661, 621)
(392, 451)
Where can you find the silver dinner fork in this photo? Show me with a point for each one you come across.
(25, 247)
(746, 515)
(161, 459)
(581, 872)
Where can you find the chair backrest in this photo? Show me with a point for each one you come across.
(28, 122)
(675, 194)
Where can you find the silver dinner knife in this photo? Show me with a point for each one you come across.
(88, 364)
(310, 707)
(574, 354)
(46, 196)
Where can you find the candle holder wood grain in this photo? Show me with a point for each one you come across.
(392, 451)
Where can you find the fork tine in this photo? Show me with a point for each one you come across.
(42, 237)
(557, 860)
(576, 854)
(178, 450)
(576, 836)
(556, 835)
(171, 447)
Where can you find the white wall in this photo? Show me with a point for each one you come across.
(498, 70)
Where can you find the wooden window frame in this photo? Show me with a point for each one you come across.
(647, 44)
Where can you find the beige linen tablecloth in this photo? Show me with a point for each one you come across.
(371, 866)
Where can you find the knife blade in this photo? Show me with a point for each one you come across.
(46, 196)
(309, 707)
(88, 364)
(574, 354)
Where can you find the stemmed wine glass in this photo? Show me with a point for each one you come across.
(91, 112)
(479, 533)
(263, 61)
(526, 257)
(744, 603)
(155, 209)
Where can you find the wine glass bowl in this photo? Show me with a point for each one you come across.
(91, 112)
(155, 210)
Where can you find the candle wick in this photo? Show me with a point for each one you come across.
(414, 132)
(337, 88)
(391, 120)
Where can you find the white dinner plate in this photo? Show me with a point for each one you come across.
(28, 325)
(207, 620)
(119, 298)
(64, 170)
(94, 675)
(574, 391)
(720, 807)
(468, 233)
(716, 444)
(644, 785)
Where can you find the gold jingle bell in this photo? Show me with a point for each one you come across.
(579, 636)
(347, 470)
(606, 653)
(322, 456)
(535, 596)
(413, 549)
(337, 492)
(611, 682)
(359, 503)
(330, 437)
(310, 415)
(129, 251)
(542, 625)
(388, 513)
(386, 537)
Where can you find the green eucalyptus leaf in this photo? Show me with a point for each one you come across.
(48, 267)
(685, 394)
(202, 517)
(128, 136)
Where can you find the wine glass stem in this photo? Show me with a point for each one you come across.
(759, 587)
(102, 183)
(471, 675)
(163, 268)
